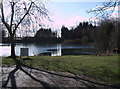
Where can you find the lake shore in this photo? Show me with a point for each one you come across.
(47, 49)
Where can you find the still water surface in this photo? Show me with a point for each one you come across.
(46, 49)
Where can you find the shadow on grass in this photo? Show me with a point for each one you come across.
(11, 77)
(76, 77)
(19, 65)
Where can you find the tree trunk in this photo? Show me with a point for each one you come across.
(12, 47)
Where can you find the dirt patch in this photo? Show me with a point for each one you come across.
(43, 78)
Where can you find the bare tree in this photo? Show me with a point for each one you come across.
(17, 13)
(106, 10)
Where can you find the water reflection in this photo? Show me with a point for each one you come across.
(47, 49)
(57, 52)
(5, 49)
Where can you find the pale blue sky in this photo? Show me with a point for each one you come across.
(70, 13)
(68, 8)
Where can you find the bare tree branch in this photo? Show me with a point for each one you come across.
(3, 19)
(21, 12)
(106, 10)
(22, 18)
(12, 13)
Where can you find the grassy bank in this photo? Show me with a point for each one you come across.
(104, 68)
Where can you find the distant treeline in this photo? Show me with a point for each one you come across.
(81, 34)
(42, 36)
(105, 37)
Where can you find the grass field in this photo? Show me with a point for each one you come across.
(103, 68)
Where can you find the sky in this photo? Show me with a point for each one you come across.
(70, 13)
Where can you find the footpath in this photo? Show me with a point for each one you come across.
(36, 78)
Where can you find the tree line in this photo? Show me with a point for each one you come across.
(81, 34)
(104, 37)
(43, 35)
(107, 37)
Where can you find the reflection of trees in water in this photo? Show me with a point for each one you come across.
(57, 52)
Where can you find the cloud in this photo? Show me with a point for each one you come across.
(71, 21)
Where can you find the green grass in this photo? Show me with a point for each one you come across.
(103, 68)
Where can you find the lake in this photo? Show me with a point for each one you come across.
(47, 49)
